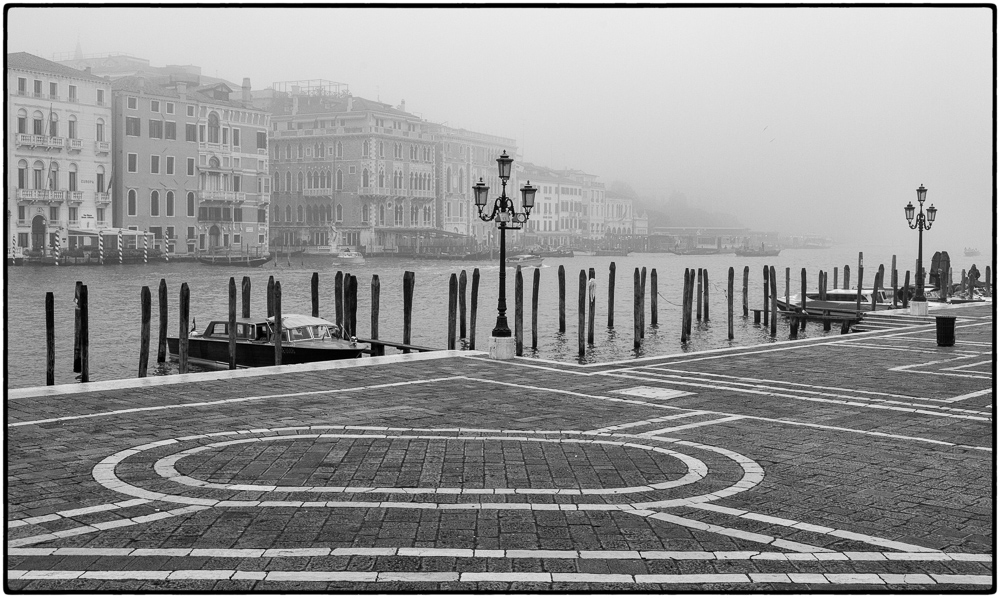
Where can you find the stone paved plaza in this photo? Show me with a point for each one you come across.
(849, 463)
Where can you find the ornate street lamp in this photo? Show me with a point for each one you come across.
(505, 215)
(922, 223)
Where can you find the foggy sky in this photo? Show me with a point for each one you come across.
(811, 120)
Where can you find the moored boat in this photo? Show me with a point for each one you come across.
(348, 257)
(757, 252)
(837, 300)
(971, 252)
(238, 261)
(695, 250)
(304, 339)
(525, 261)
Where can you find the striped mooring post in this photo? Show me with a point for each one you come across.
(121, 246)
(58, 246)
(100, 249)
(145, 247)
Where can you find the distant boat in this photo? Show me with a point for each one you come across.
(287, 253)
(755, 252)
(696, 250)
(238, 261)
(612, 252)
(971, 252)
(525, 261)
(348, 257)
(837, 300)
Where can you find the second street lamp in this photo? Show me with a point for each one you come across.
(922, 223)
(505, 214)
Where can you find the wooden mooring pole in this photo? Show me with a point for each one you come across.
(906, 289)
(636, 307)
(184, 306)
(377, 349)
(518, 312)
(847, 277)
(463, 281)
(535, 284)
(774, 303)
(270, 297)
(277, 323)
(314, 288)
(611, 295)
(653, 298)
(408, 280)
(453, 309)
(562, 298)
(705, 297)
(352, 310)
(591, 304)
(473, 304)
(232, 323)
(245, 297)
(642, 302)
(802, 323)
(50, 339)
(84, 335)
(767, 297)
(161, 341)
(338, 298)
(746, 291)
(581, 317)
(698, 297)
(729, 303)
(76, 328)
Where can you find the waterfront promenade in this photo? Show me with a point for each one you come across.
(851, 463)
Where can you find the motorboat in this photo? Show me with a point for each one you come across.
(525, 261)
(757, 252)
(695, 250)
(837, 300)
(229, 260)
(349, 256)
(304, 339)
(971, 252)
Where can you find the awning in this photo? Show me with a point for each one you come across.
(84, 231)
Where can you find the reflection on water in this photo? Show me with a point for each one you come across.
(114, 293)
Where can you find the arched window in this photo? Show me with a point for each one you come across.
(381, 178)
(288, 213)
(364, 178)
(340, 179)
(365, 213)
(300, 150)
(399, 214)
(319, 150)
(288, 181)
(288, 152)
(213, 127)
(154, 203)
(277, 179)
(411, 181)
(190, 203)
(53, 175)
(309, 180)
(299, 213)
(72, 177)
(329, 213)
(381, 214)
(22, 121)
(38, 123)
(53, 125)
(131, 202)
(300, 178)
(22, 174)
(381, 149)
(364, 149)
(461, 179)
(170, 203)
(276, 214)
(72, 132)
(340, 212)
(448, 181)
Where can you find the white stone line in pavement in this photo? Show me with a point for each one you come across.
(970, 395)
(731, 532)
(227, 401)
(86, 529)
(646, 555)
(517, 577)
(316, 366)
(833, 428)
(825, 397)
(694, 425)
(858, 345)
(970, 365)
(904, 547)
(74, 512)
(647, 422)
(165, 467)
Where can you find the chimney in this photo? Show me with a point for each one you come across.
(402, 105)
(295, 105)
(246, 90)
(182, 89)
(87, 70)
(350, 103)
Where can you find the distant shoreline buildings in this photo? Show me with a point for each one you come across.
(167, 159)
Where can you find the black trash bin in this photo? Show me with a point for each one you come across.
(945, 331)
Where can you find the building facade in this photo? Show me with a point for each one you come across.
(58, 155)
(191, 166)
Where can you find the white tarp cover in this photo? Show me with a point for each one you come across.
(296, 320)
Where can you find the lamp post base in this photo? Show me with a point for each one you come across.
(918, 308)
(501, 347)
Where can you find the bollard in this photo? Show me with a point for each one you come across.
(50, 339)
(245, 297)
(729, 303)
(473, 303)
(945, 328)
(462, 283)
(453, 309)
(184, 306)
(581, 314)
(314, 288)
(161, 344)
(377, 349)
(145, 301)
(277, 323)
(232, 323)
(611, 295)
(535, 283)
(562, 298)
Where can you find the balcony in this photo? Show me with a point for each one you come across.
(40, 195)
(262, 151)
(42, 141)
(102, 147)
(102, 198)
(74, 196)
(317, 192)
(74, 145)
(225, 196)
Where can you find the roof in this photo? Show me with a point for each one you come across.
(140, 84)
(296, 320)
(23, 60)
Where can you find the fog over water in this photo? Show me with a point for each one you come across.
(801, 120)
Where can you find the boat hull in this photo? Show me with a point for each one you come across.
(532, 262)
(252, 262)
(819, 308)
(757, 252)
(248, 355)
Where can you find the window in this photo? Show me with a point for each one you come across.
(133, 163)
(236, 183)
(22, 121)
(170, 207)
(72, 127)
(154, 105)
(190, 132)
(170, 130)
(132, 103)
(190, 209)
(237, 214)
(236, 137)
(72, 180)
(154, 203)
(170, 165)
(38, 176)
(22, 87)
(38, 124)
(100, 179)
(190, 110)
(72, 93)
(100, 129)
(53, 125)
(131, 202)
(190, 169)
(225, 136)
(54, 91)
(213, 128)
(340, 180)
(132, 126)
(298, 211)
(190, 231)
(54, 213)
(38, 88)
(155, 129)
(22, 176)
(237, 239)
(154, 164)
(170, 107)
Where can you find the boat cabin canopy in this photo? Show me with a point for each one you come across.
(247, 329)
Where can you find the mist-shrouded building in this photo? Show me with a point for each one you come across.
(191, 165)
(58, 154)
(348, 171)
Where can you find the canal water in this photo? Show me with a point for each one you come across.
(114, 299)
